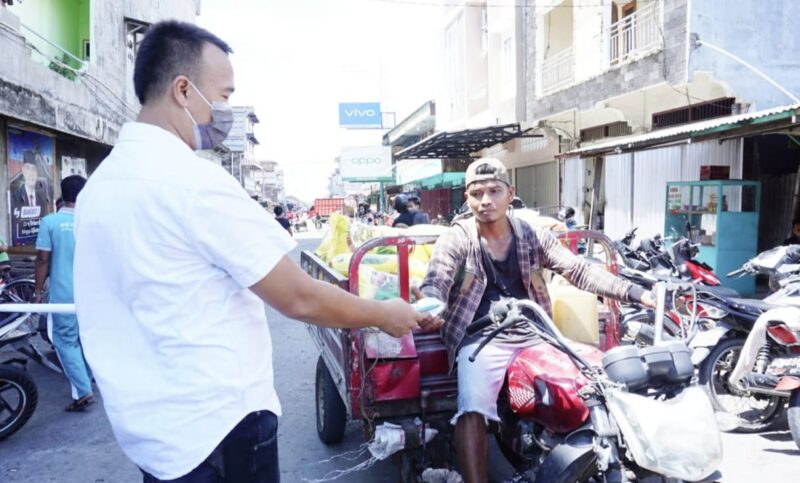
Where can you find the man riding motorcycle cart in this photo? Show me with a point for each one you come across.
(480, 260)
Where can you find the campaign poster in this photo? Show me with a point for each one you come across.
(30, 182)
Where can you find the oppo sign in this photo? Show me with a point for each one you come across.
(366, 163)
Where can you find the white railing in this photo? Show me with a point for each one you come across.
(51, 52)
(558, 70)
(638, 32)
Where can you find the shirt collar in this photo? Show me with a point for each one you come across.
(64, 209)
(145, 132)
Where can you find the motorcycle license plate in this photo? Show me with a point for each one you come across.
(785, 365)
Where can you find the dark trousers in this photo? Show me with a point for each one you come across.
(248, 454)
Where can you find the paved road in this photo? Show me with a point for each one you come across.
(79, 448)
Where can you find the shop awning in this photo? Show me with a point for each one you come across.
(443, 180)
(461, 144)
(759, 122)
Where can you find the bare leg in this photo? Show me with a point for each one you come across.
(473, 449)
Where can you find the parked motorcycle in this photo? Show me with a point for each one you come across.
(570, 413)
(756, 404)
(18, 394)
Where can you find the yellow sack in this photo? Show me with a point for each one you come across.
(341, 263)
(340, 226)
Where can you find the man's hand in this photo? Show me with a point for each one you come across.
(399, 318)
(648, 299)
(430, 323)
(37, 298)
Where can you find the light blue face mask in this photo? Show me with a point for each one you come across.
(213, 134)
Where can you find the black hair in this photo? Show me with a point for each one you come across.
(169, 49)
(278, 210)
(401, 203)
(71, 186)
(796, 221)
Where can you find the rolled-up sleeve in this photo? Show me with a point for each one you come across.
(580, 273)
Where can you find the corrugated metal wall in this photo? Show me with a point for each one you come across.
(619, 194)
(651, 170)
(572, 192)
(538, 185)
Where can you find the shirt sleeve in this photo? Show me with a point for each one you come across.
(448, 257)
(235, 233)
(43, 239)
(580, 273)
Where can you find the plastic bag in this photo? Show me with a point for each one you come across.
(336, 241)
(677, 438)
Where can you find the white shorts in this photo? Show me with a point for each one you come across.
(480, 382)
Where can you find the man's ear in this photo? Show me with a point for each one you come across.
(179, 90)
(511, 191)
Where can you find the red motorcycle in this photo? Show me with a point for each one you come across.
(571, 413)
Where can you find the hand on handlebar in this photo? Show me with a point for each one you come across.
(648, 299)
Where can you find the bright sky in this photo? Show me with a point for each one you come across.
(294, 61)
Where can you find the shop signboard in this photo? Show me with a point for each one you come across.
(409, 170)
(30, 182)
(366, 164)
(360, 115)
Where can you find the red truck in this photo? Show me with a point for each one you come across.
(325, 206)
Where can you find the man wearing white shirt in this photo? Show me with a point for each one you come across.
(173, 263)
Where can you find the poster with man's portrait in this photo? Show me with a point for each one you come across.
(30, 182)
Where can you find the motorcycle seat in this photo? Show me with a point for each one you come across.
(718, 291)
(751, 305)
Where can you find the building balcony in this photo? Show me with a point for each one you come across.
(558, 71)
(635, 33)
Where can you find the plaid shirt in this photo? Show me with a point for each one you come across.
(456, 275)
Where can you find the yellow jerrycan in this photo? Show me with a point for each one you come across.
(574, 311)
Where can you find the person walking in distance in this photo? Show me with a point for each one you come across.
(280, 217)
(55, 251)
(173, 265)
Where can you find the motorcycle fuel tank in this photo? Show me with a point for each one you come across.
(543, 385)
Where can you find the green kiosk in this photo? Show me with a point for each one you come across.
(720, 215)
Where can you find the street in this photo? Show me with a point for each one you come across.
(76, 448)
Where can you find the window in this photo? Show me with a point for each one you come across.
(484, 30)
(134, 33)
(694, 112)
(454, 58)
(508, 66)
(620, 128)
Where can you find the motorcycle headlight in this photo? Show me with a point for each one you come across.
(676, 438)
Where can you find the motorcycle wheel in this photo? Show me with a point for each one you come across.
(794, 416)
(756, 412)
(331, 412)
(18, 399)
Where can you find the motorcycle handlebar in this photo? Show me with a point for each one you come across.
(479, 324)
(736, 272)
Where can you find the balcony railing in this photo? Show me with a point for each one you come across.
(558, 70)
(53, 55)
(638, 32)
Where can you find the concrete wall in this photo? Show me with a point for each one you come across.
(763, 34)
(668, 64)
(92, 107)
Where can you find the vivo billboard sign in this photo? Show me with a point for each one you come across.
(366, 163)
(360, 115)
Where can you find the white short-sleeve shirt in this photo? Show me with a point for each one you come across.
(167, 245)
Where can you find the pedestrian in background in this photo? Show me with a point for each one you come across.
(280, 217)
(55, 251)
(173, 265)
(420, 217)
